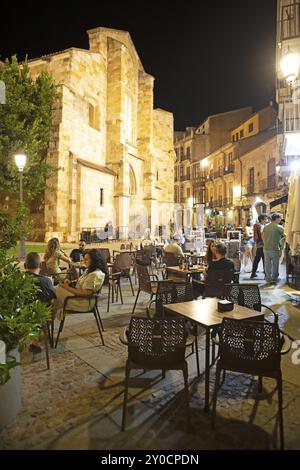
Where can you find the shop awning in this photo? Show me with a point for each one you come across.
(279, 201)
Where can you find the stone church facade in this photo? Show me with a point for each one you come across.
(114, 151)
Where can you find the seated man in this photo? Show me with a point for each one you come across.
(174, 247)
(77, 254)
(32, 266)
(46, 289)
(219, 272)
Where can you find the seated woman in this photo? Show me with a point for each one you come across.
(54, 255)
(89, 283)
(210, 253)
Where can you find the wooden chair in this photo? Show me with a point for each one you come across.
(251, 347)
(155, 344)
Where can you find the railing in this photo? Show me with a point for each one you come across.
(229, 169)
(290, 27)
(219, 173)
(268, 184)
(249, 189)
(99, 235)
(199, 179)
(292, 124)
(227, 201)
(218, 202)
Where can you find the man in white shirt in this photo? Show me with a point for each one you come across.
(174, 247)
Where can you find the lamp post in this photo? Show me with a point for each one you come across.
(20, 160)
(290, 65)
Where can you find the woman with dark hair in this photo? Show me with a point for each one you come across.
(89, 283)
(210, 253)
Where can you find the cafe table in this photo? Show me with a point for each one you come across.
(205, 313)
(187, 273)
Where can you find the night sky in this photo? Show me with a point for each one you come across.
(207, 57)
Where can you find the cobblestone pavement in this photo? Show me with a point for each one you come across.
(77, 404)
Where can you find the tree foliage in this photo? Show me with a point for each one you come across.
(25, 123)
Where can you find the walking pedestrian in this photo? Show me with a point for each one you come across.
(272, 236)
(258, 244)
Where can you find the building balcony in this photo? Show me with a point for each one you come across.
(249, 190)
(268, 184)
(227, 201)
(229, 169)
(291, 124)
(219, 173)
(185, 178)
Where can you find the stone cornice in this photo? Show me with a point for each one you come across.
(93, 166)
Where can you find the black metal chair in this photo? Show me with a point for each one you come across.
(105, 253)
(114, 288)
(171, 292)
(146, 284)
(155, 344)
(122, 264)
(251, 347)
(246, 295)
(92, 308)
(170, 259)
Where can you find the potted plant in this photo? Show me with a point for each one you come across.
(21, 318)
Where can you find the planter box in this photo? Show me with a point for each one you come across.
(10, 394)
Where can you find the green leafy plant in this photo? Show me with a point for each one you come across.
(5, 369)
(25, 122)
(21, 314)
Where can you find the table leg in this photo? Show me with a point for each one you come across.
(207, 366)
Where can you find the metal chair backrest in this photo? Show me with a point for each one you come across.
(249, 346)
(215, 281)
(144, 257)
(154, 342)
(170, 259)
(246, 295)
(44, 270)
(171, 292)
(122, 264)
(144, 278)
(105, 253)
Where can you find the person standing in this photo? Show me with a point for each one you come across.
(248, 244)
(259, 244)
(272, 235)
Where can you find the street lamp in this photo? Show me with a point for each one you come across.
(290, 64)
(20, 160)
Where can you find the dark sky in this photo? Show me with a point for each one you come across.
(207, 57)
